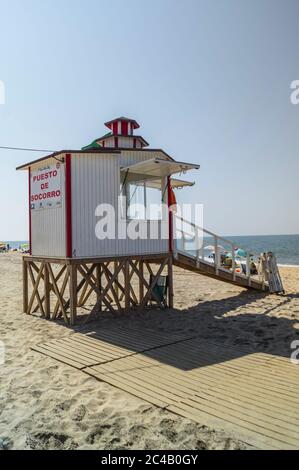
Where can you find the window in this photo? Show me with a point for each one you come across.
(143, 197)
(136, 200)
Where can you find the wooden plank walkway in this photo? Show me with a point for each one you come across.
(79, 350)
(254, 397)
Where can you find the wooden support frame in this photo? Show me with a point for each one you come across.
(64, 288)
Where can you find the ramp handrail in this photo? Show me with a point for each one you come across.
(196, 233)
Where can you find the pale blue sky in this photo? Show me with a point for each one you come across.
(209, 83)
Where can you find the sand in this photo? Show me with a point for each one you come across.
(48, 405)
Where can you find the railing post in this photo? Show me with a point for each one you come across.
(170, 283)
(248, 269)
(197, 246)
(183, 240)
(216, 260)
(233, 262)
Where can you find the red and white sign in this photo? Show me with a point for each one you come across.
(46, 187)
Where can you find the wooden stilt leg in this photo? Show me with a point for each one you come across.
(25, 287)
(127, 284)
(83, 295)
(141, 284)
(73, 293)
(99, 284)
(170, 283)
(35, 285)
(47, 291)
(116, 286)
(112, 282)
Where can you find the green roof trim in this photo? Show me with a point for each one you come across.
(93, 145)
(106, 135)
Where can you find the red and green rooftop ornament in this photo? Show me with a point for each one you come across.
(121, 135)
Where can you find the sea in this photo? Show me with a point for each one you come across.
(15, 244)
(285, 247)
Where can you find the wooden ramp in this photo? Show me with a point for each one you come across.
(199, 266)
(254, 397)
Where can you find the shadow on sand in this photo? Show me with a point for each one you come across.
(211, 332)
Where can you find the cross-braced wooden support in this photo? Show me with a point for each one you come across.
(60, 288)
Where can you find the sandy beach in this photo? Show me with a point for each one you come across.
(48, 405)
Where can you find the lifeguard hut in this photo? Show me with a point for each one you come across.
(71, 255)
(68, 192)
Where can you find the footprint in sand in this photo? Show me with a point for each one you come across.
(79, 413)
(50, 440)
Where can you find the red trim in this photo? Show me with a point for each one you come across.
(170, 221)
(68, 205)
(122, 118)
(124, 128)
(116, 142)
(115, 127)
(134, 143)
(30, 223)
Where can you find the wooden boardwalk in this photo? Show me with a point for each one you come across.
(254, 397)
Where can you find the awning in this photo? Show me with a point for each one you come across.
(174, 183)
(159, 167)
(178, 184)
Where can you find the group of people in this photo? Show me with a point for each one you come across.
(4, 247)
(227, 262)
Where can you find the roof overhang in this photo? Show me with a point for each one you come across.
(157, 167)
(59, 155)
(111, 136)
(122, 118)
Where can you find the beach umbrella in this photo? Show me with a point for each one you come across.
(212, 248)
(241, 253)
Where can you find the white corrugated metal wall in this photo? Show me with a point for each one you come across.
(96, 180)
(48, 225)
(123, 142)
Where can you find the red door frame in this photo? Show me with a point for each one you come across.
(170, 221)
(68, 205)
(29, 209)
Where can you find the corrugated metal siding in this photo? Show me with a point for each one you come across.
(48, 225)
(96, 180)
(109, 142)
(123, 142)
